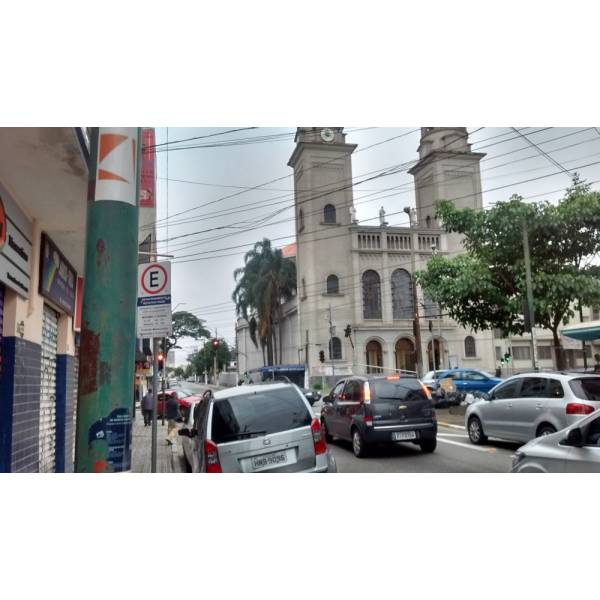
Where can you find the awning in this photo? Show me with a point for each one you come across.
(582, 331)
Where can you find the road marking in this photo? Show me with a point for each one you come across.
(450, 425)
(458, 435)
(454, 443)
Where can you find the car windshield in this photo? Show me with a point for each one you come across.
(432, 375)
(586, 388)
(401, 389)
(259, 413)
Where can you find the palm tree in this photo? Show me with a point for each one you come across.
(266, 280)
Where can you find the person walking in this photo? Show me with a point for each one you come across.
(172, 416)
(147, 402)
(597, 365)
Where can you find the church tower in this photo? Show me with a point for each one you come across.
(323, 203)
(447, 170)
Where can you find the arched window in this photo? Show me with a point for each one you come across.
(333, 285)
(428, 222)
(335, 349)
(300, 220)
(470, 350)
(430, 307)
(329, 213)
(374, 357)
(402, 295)
(371, 295)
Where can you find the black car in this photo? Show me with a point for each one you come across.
(378, 410)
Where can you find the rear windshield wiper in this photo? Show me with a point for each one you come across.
(242, 434)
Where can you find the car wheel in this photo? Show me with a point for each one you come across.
(475, 431)
(328, 436)
(428, 444)
(546, 429)
(358, 444)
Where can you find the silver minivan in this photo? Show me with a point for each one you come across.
(255, 429)
(530, 405)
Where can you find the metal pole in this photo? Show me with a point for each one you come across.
(154, 402)
(215, 360)
(529, 295)
(416, 322)
(164, 370)
(331, 343)
(108, 336)
(585, 366)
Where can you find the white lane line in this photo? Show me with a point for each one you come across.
(470, 446)
(442, 424)
(458, 435)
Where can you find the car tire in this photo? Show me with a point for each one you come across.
(359, 447)
(428, 445)
(326, 434)
(475, 431)
(545, 429)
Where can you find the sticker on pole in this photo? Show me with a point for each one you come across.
(154, 300)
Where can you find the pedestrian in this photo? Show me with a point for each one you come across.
(147, 404)
(172, 416)
(597, 365)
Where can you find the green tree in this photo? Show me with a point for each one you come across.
(485, 287)
(202, 361)
(186, 324)
(266, 280)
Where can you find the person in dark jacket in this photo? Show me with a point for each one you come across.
(172, 416)
(147, 403)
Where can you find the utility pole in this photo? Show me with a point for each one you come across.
(164, 370)
(331, 334)
(108, 333)
(416, 322)
(435, 250)
(582, 341)
(215, 359)
(306, 364)
(155, 352)
(530, 305)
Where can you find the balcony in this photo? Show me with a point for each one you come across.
(398, 239)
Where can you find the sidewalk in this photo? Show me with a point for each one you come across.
(169, 459)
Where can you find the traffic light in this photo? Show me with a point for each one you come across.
(161, 361)
(215, 344)
(348, 331)
(506, 358)
(322, 356)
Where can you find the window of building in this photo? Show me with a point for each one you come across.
(470, 349)
(521, 352)
(333, 284)
(402, 295)
(428, 222)
(498, 353)
(371, 295)
(329, 213)
(544, 352)
(430, 308)
(335, 349)
(374, 357)
(595, 314)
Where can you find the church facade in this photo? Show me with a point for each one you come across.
(355, 298)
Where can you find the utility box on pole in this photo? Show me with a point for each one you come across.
(107, 351)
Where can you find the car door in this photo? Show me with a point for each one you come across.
(352, 400)
(527, 409)
(495, 412)
(458, 377)
(334, 410)
(587, 458)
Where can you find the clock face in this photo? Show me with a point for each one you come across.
(327, 135)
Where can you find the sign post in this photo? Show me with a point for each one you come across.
(154, 321)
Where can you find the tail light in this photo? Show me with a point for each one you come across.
(368, 419)
(212, 457)
(392, 377)
(318, 439)
(576, 408)
(367, 393)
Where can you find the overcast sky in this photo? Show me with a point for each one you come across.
(203, 283)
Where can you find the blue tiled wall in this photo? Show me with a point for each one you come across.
(65, 410)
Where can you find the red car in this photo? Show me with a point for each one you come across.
(184, 399)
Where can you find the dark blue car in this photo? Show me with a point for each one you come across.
(468, 381)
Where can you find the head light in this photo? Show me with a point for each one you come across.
(517, 459)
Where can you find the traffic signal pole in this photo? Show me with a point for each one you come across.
(108, 335)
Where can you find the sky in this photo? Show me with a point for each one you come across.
(196, 181)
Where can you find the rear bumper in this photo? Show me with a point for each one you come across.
(381, 434)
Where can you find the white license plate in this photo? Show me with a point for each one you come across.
(399, 436)
(264, 461)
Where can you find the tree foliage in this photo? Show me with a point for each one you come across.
(202, 361)
(186, 324)
(485, 287)
(266, 280)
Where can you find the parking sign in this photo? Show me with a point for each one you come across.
(154, 300)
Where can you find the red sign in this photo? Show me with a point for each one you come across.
(78, 305)
(148, 169)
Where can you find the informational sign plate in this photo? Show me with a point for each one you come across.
(154, 300)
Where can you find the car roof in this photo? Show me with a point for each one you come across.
(242, 390)
(560, 374)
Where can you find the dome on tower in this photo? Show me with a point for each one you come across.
(443, 139)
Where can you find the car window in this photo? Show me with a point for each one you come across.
(337, 390)
(507, 390)
(586, 388)
(185, 413)
(259, 413)
(402, 389)
(592, 437)
(474, 376)
(429, 375)
(455, 375)
(533, 387)
(554, 389)
(353, 391)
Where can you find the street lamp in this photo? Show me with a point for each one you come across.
(416, 324)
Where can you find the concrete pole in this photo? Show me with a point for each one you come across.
(529, 295)
(107, 356)
(416, 320)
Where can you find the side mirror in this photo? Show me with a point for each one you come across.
(328, 399)
(185, 432)
(311, 400)
(574, 438)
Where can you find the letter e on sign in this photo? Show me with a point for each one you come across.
(154, 279)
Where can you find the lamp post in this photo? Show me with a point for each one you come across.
(416, 325)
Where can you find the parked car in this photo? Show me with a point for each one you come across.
(471, 381)
(442, 388)
(530, 405)
(182, 397)
(258, 428)
(380, 409)
(575, 449)
(187, 419)
(311, 395)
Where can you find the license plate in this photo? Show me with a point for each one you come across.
(399, 436)
(269, 460)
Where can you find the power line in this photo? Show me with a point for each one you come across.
(199, 137)
(545, 154)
